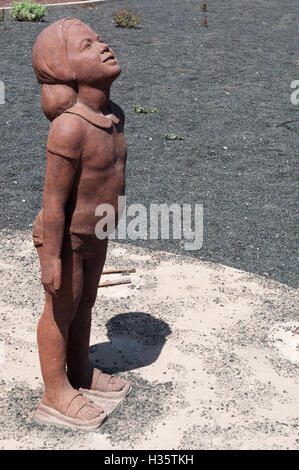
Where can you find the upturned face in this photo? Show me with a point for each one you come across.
(91, 59)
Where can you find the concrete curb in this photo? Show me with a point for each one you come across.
(64, 4)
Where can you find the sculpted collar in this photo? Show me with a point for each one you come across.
(105, 121)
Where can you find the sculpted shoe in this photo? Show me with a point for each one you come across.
(101, 386)
(93, 416)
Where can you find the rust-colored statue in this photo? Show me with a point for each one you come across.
(86, 156)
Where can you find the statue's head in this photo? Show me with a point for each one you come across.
(67, 54)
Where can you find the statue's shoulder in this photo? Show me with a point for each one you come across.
(66, 136)
(67, 122)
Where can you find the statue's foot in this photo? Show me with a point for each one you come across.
(78, 412)
(107, 386)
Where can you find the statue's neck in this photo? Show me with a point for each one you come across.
(93, 98)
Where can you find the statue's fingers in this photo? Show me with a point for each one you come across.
(57, 283)
(49, 287)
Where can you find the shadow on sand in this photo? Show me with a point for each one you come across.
(136, 340)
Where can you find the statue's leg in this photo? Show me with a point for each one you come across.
(53, 330)
(80, 372)
(78, 366)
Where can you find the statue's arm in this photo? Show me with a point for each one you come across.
(64, 149)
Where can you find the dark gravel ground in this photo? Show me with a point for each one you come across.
(227, 85)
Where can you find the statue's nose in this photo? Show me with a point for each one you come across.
(104, 47)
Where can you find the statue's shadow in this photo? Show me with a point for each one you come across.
(136, 340)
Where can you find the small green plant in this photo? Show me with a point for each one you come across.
(2, 16)
(145, 110)
(126, 19)
(26, 10)
(174, 137)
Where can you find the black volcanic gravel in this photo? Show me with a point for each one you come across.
(227, 85)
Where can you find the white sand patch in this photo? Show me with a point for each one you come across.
(286, 340)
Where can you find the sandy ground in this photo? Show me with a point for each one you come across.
(210, 350)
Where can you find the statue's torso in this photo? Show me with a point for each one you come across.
(100, 178)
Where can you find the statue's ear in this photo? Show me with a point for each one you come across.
(56, 99)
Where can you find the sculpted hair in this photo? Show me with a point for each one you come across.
(51, 66)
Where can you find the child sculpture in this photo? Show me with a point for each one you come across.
(86, 157)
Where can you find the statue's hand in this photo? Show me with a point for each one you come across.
(51, 275)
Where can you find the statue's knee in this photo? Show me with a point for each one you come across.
(66, 311)
(64, 316)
